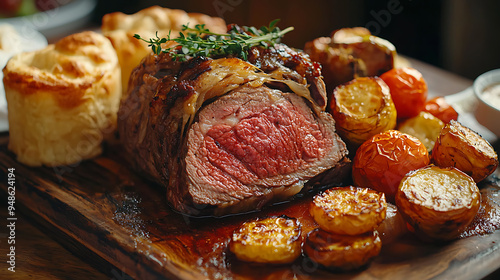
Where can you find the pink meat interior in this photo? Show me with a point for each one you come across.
(254, 139)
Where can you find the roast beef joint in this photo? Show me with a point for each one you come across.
(224, 135)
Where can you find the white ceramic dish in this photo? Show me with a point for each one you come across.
(29, 40)
(59, 21)
(488, 110)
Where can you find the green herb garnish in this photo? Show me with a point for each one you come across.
(199, 41)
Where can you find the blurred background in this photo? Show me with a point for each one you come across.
(457, 35)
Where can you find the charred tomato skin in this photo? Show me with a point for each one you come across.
(383, 160)
(439, 108)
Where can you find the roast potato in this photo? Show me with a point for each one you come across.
(393, 226)
(349, 53)
(438, 203)
(344, 35)
(425, 127)
(349, 210)
(274, 240)
(338, 64)
(460, 147)
(362, 108)
(342, 252)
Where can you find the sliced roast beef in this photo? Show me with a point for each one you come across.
(224, 136)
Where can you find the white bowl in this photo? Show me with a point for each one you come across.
(28, 40)
(488, 108)
(58, 22)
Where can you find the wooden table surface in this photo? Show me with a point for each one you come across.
(39, 255)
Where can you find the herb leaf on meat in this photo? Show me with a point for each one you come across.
(200, 41)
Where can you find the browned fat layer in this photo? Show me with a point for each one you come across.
(68, 95)
(193, 68)
(280, 55)
(182, 90)
(315, 91)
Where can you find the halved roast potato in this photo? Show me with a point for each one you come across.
(342, 252)
(273, 240)
(439, 203)
(350, 53)
(425, 127)
(349, 210)
(362, 108)
(393, 226)
(460, 147)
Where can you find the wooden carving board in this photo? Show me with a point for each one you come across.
(103, 205)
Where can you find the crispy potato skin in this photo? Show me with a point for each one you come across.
(349, 53)
(349, 210)
(439, 203)
(460, 147)
(393, 226)
(439, 108)
(362, 108)
(382, 161)
(338, 66)
(274, 240)
(425, 126)
(408, 90)
(342, 252)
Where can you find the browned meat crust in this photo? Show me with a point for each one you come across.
(225, 136)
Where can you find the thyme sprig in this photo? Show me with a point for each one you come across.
(200, 41)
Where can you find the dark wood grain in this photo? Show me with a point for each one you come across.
(39, 257)
(124, 220)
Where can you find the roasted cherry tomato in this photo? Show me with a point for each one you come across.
(383, 160)
(440, 109)
(408, 90)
